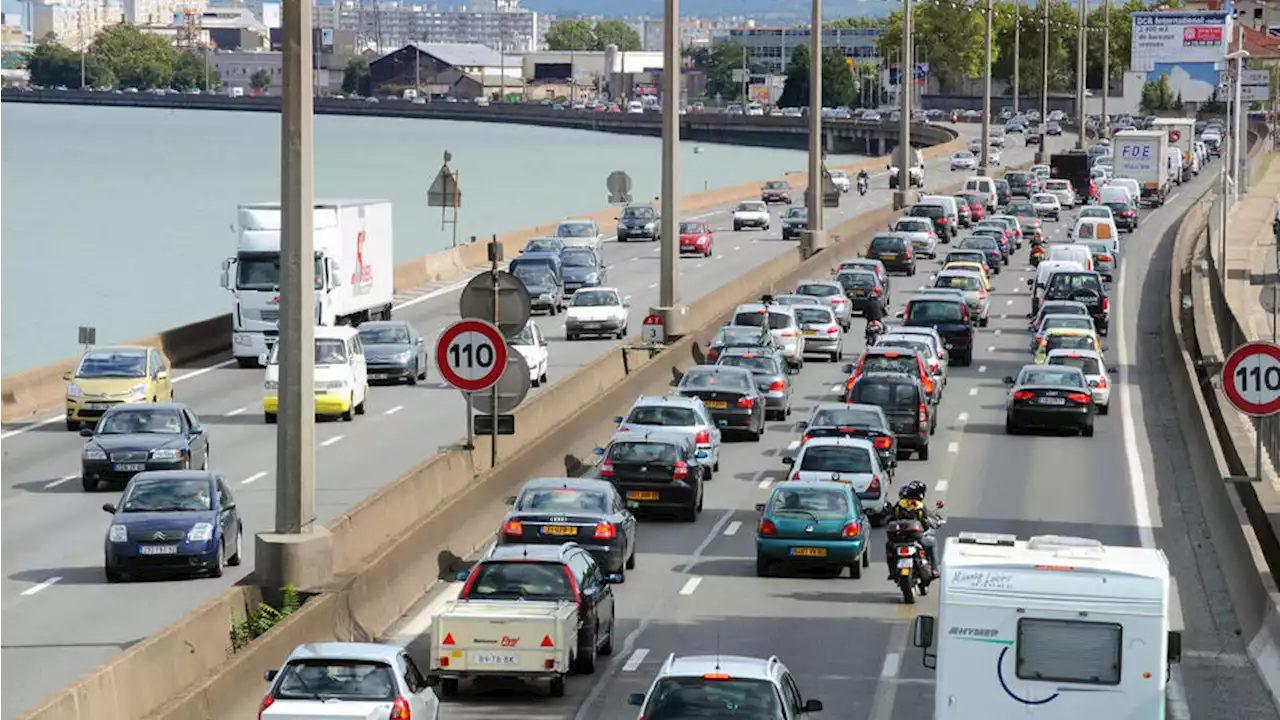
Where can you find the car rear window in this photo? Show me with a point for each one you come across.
(1087, 365)
(707, 380)
(1077, 322)
(845, 417)
(913, 225)
(981, 242)
(1071, 282)
(934, 311)
(664, 415)
(1051, 378)
(814, 316)
(738, 334)
(902, 362)
(1069, 342)
(643, 452)
(856, 280)
(908, 345)
(1022, 208)
(1017, 178)
(350, 680)
(929, 211)
(680, 698)
(835, 458)
(561, 501)
(885, 394)
(756, 318)
(886, 244)
(757, 364)
(818, 290)
(963, 282)
(822, 502)
(520, 580)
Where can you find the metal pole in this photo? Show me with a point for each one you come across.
(493, 438)
(417, 69)
(986, 96)
(207, 49)
(502, 69)
(815, 118)
(1081, 84)
(1104, 124)
(1017, 54)
(906, 73)
(82, 47)
(457, 190)
(1042, 154)
(744, 75)
(295, 438)
(1238, 129)
(669, 278)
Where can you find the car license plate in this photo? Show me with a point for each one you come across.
(642, 495)
(1053, 401)
(905, 563)
(859, 293)
(889, 257)
(98, 406)
(493, 659)
(559, 530)
(809, 552)
(716, 404)
(158, 549)
(810, 332)
(130, 467)
(377, 376)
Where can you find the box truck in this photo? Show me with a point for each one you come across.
(1058, 628)
(1140, 154)
(353, 270)
(1182, 135)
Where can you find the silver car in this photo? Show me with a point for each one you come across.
(822, 330)
(925, 347)
(920, 231)
(831, 292)
(678, 414)
(928, 333)
(974, 289)
(793, 299)
(770, 373)
(1104, 262)
(781, 321)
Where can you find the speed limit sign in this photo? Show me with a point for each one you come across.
(471, 355)
(1251, 378)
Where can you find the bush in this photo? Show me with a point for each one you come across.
(245, 631)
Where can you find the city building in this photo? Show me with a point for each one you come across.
(463, 71)
(72, 25)
(150, 13)
(497, 24)
(586, 74)
(693, 33)
(770, 48)
(235, 68)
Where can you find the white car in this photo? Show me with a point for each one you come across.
(1047, 205)
(532, 346)
(963, 160)
(840, 179)
(752, 213)
(1063, 189)
(783, 326)
(975, 146)
(997, 137)
(1094, 369)
(599, 311)
(580, 231)
(677, 414)
(341, 375)
(842, 459)
(365, 680)
(993, 155)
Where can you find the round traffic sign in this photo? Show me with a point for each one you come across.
(1251, 378)
(471, 355)
(1175, 135)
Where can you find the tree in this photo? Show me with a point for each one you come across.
(189, 72)
(355, 77)
(260, 80)
(947, 32)
(857, 23)
(138, 59)
(52, 64)
(616, 32)
(571, 35)
(838, 86)
(718, 63)
(1158, 95)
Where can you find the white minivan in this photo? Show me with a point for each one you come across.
(1096, 228)
(984, 186)
(1044, 271)
(341, 375)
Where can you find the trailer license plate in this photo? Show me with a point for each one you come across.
(559, 530)
(905, 563)
(716, 404)
(158, 549)
(131, 467)
(809, 552)
(493, 659)
(642, 495)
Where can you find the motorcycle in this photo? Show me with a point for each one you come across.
(862, 186)
(1037, 254)
(913, 571)
(875, 329)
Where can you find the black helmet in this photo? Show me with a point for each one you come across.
(914, 490)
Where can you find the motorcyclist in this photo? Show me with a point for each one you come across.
(910, 506)
(874, 313)
(863, 178)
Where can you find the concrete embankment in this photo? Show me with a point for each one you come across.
(387, 548)
(27, 393)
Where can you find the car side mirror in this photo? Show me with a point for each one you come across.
(788, 460)
(939, 504)
(760, 507)
(86, 432)
(674, 383)
(617, 419)
(1007, 379)
(1104, 348)
(636, 699)
(613, 578)
(1030, 282)
(898, 315)
(1112, 371)
(626, 305)
(270, 675)
(922, 631)
(109, 508)
(597, 451)
(509, 500)
(462, 575)
(802, 425)
(68, 375)
(813, 706)
(702, 455)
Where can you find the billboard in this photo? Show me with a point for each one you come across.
(1178, 38)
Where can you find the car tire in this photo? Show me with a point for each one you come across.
(1104, 409)
(835, 355)
(269, 418)
(348, 415)
(737, 227)
(1087, 430)
(220, 561)
(631, 560)
(923, 453)
(542, 379)
(88, 485)
(234, 559)
(413, 377)
(585, 662)
(73, 426)
(983, 322)
(113, 576)
(1010, 428)
(422, 373)
(762, 567)
(570, 337)
(607, 648)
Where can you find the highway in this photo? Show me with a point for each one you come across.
(60, 616)
(694, 590)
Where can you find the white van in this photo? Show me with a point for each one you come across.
(1112, 192)
(952, 207)
(1096, 228)
(341, 375)
(1173, 158)
(985, 186)
(1073, 253)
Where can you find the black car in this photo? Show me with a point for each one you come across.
(950, 318)
(590, 512)
(894, 251)
(1004, 193)
(794, 220)
(1053, 397)
(739, 336)
(1125, 215)
(1021, 184)
(394, 352)
(904, 402)
(656, 471)
(639, 221)
(1085, 288)
(863, 290)
(583, 268)
(135, 437)
(937, 214)
(862, 421)
(988, 241)
(564, 573)
(730, 395)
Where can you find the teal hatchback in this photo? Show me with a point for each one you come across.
(813, 524)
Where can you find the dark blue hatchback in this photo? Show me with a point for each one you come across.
(173, 521)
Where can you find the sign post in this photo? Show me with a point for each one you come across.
(1251, 382)
(652, 331)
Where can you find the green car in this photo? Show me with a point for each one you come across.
(813, 524)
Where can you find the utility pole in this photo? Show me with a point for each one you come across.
(300, 551)
(986, 96)
(906, 74)
(1237, 142)
(1105, 123)
(208, 48)
(1017, 54)
(83, 44)
(1042, 155)
(744, 76)
(669, 307)
(417, 69)
(1081, 84)
(815, 119)
(502, 72)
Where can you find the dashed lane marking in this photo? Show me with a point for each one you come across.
(37, 588)
(393, 411)
(733, 527)
(962, 418)
(331, 441)
(953, 447)
(973, 391)
(691, 586)
(235, 412)
(765, 483)
(981, 369)
(940, 486)
(253, 478)
(59, 481)
(633, 662)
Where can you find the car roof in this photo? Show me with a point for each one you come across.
(568, 483)
(522, 552)
(842, 441)
(734, 666)
(716, 369)
(148, 406)
(820, 484)
(761, 307)
(160, 475)
(578, 221)
(1073, 316)
(1055, 368)
(956, 298)
(130, 349)
(958, 272)
(773, 352)
(1060, 352)
(601, 289)
(846, 406)
(653, 400)
(377, 652)
(1069, 331)
(375, 324)
(823, 281)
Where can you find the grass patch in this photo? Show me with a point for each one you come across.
(257, 623)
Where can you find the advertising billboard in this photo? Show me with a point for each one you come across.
(1178, 38)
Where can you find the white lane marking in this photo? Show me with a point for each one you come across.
(626, 298)
(698, 264)
(633, 662)
(59, 481)
(1137, 481)
(940, 486)
(794, 444)
(1008, 302)
(37, 588)
(1172, 198)
(953, 447)
(892, 662)
(962, 418)
(653, 285)
(997, 331)
(1015, 289)
(1177, 697)
(253, 478)
(691, 586)
(394, 410)
(235, 412)
(973, 391)
(991, 348)
(765, 483)
(733, 527)
(331, 441)
(736, 248)
(982, 368)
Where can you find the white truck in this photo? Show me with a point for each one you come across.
(1182, 135)
(525, 639)
(1140, 154)
(354, 271)
(1054, 628)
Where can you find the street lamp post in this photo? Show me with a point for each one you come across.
(815, 119)
(1081, 84)
(1017, 54)
(1042, 155)
(906, 74)
(986, 96)
(1104, 125)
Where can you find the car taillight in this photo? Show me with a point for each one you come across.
(573, 585)
(964, 313)
(882, 443)
(942, 221)
(1102, 383)
(837, 300)
(1079, 398)
(703, 437)
(787, 333)
(852, 530)
(805, 438)
(681, 472)
(606, 470)
(833, 330)
(924, 413)
(400, 710)
(876, 291)
(767, 527)
(1104, 258)
(777, 386)
(874, 487)
(907, 255)
(1023, 395)
(928, 385)
(1106, 304)
(266, 703)
(606, 531)
(514, 528)
(982, 294)
(746, 402)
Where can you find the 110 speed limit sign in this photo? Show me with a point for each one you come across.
(1251, 378)
(471, 355)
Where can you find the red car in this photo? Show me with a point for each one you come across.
(977, 208)
(695, 239)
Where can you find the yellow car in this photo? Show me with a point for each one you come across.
(112, 375)
(1067, 339)
(970, 266)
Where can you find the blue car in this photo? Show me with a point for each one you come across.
(173, 521)
(808, 524)
(990, 246)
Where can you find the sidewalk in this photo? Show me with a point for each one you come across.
(1251, 251)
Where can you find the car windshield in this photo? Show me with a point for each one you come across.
(818, 290)
(1023, 208)
(639, 212)
(1073, 282)
(384, 335)
(891, 362)
(113, 364)
(846, 417)
(926, 311)
(835, 458)
(537, 276)
(693, 228)
(595, 298)
(796, 213)
(775, 185)
(664, 415)
(1087, 365)
(167, 495)
(929, 211)
(576, 230)
(1045, 199)
(885, 243)
(823, 503)
(525, 337)
(559, 501)
(1057, 185)
(814, 316)
(578, 258)
(751, 207)
(129, 421)
(861, 280)
(686, 698)
(324, 679)
(963, 155)
(1051, 378)
(644, 453)
(758, 365)
(706, 380)
(330, 352)
(1069, 342)
(544, 245)
(1073, 322)
(520, 579)
(917, 346)
(962, 282)
(777, 320)
(739, 335)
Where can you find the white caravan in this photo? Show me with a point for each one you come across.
(1053, 628)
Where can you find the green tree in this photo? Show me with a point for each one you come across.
(717, 63)
(946, 32)
(616, 32)
(189, 72)
(138, 59)
(857, 23)
(52, 64)
(1158, 95)
(571, 35)
(355, 77)
(838, 86)
(260, 80)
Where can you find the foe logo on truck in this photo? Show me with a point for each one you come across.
(1136, 151)
(510, 641)
(362, 276)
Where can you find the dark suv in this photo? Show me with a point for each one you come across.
(1004, 194)
(938, 214)
(904, 402)
(893, 251)
(1085, 288)
(950, 317)
(1021, 184)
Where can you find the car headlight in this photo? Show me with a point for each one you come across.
(200, 532)
(166, 454)
(404, 356)
(137, 392)
(94, 453)
(648, 226)
(74, 390)
(271, 385)
(331, 384)
(118, 534)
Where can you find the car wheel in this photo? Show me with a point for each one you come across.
(737, 227)
(556, 687)
(983, 322)
(422, 373)
(1104, 409)
(220, 560)
(923, 453)
(234, 559)
(88, 485)
(364, 401)
(269, 418)
(585, 662)
(607, 648)
(1087, 430)
(348, 414)
(113, 575)
(204, 461)
(542, 379)
(631, 561)
(570, 336)
(1010, 428)
(413, 377)
(855, 570)
(73, 425)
